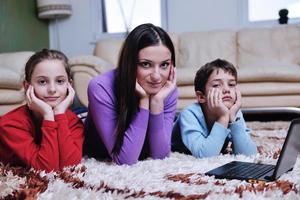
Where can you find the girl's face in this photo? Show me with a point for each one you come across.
(225, 83)
(154, 64)
(49, 80)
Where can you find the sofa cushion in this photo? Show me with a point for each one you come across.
(8, 96)
(88, 62)
(269, 88)
(198, 48)
(15, 61)
(251, 89)
(280, 44)
(262, 71)
(10, 79)
(108, 49)
(185, 76)
(12, 69)
(271, 101)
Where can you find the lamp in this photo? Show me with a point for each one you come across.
(54, 10)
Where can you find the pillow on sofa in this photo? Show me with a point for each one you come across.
(10, 79)
(12, 68)
(269, 71)
(15, 61)
(185, 76)
(108, 49)
(281, 43)
(198, 48)
(8, 96)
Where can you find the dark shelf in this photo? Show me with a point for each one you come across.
(271, 113)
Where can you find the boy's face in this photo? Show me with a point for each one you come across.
(221, 85)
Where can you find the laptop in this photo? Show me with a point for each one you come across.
(253, 172)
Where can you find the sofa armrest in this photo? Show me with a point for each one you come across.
(83, 69)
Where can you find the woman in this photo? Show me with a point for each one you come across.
(132, 108)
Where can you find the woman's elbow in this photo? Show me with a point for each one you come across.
(124, 161)
(162, 154)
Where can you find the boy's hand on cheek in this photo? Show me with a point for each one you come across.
(65, 104)
(37, 105)
(217, 107)
(215, 103)
(236, 106)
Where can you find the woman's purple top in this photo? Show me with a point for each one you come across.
(147, 134)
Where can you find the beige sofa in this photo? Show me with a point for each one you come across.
(11, 76)
(267, 59)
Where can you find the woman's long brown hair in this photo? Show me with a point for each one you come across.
(127, 101)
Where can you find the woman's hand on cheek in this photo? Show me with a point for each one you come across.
(144, 97)
(37, 105)
(66, 103)
(140, 91)
(169, 86)
(157, 100)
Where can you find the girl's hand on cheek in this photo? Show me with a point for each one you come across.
(37, 105)
(66, 103)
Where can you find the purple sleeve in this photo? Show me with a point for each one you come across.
(160, 128)
(103, 113)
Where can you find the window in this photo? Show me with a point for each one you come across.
(268, 9)
(124, 15)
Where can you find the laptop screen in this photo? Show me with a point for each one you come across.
(290, 150)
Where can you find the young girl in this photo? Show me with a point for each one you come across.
(132, 108)
(44, 133)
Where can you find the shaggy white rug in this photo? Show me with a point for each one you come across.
(176, 177)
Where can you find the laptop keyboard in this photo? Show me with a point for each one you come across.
(250, 170)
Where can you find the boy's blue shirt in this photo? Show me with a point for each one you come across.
(204, 143)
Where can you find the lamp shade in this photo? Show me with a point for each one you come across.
(50, 9)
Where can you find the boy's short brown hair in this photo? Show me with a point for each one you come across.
(205, 71)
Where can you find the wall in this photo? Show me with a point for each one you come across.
(78, 33)
(75, 34)
(20, 29)
(198, 15)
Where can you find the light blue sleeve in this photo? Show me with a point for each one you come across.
(240, 136)
(196, 137)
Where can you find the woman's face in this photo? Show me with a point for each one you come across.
(49, 80)
(154, 64)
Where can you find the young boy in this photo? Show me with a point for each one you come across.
(205, 128)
